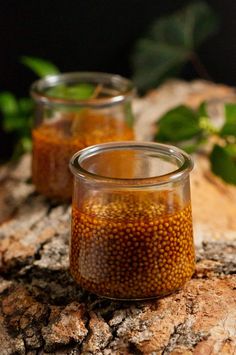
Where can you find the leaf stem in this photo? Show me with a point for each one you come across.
(199, 66)
(97, 91)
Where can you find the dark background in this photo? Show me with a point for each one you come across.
(98, 35)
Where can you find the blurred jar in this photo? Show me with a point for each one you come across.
(73, 111)
(131, 232)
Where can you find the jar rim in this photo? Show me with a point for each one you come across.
(165, 149)
(125, 88)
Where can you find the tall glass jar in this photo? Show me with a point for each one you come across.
(73, 111)
(132, 232)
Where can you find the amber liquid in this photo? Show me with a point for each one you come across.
(131, 247)
(54, 144)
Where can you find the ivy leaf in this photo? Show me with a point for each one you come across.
(25, 105)
(230, 112)
(129, 116)
(154, 62)
(8, 104)
(14, 123)
(73, 92)
(178, 124)
(202, 109)
(190, 129)
(231, 150)
(40, 66)
(16, 114)
(171, 41)
(223, 163)
(229, 128)
(26, 143)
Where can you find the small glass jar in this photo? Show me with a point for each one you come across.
(73, 111)
(132, 234)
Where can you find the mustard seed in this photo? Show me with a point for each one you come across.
(153, 260)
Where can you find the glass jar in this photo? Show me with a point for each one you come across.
(132, 234)
(73, 111)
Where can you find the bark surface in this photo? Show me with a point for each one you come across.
(42, 311)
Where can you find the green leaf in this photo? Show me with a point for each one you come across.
(230, 113)
(231, 150)
(8, 104)
(171, 42)
(202, 109)
(229, 128)
(25, 105)
(129, 116)
(13, 123)
(187, 27)
(178, 124)
(40, 66)
(223, 164)
(80, 91)
(152, 62)
(73, 92)
(26, 143)
(205, 22)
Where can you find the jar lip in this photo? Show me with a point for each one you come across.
(169, 150)
(38, 88)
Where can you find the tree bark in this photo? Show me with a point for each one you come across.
(42, 311)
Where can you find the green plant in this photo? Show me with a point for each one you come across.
(171, 42)
(17, 113)
(191, 129)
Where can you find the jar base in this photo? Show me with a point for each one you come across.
(136, 299)
(143, 299)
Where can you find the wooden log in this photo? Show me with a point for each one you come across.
(42, 311)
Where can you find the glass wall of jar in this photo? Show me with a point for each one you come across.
(73, 111)
(132, 232)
